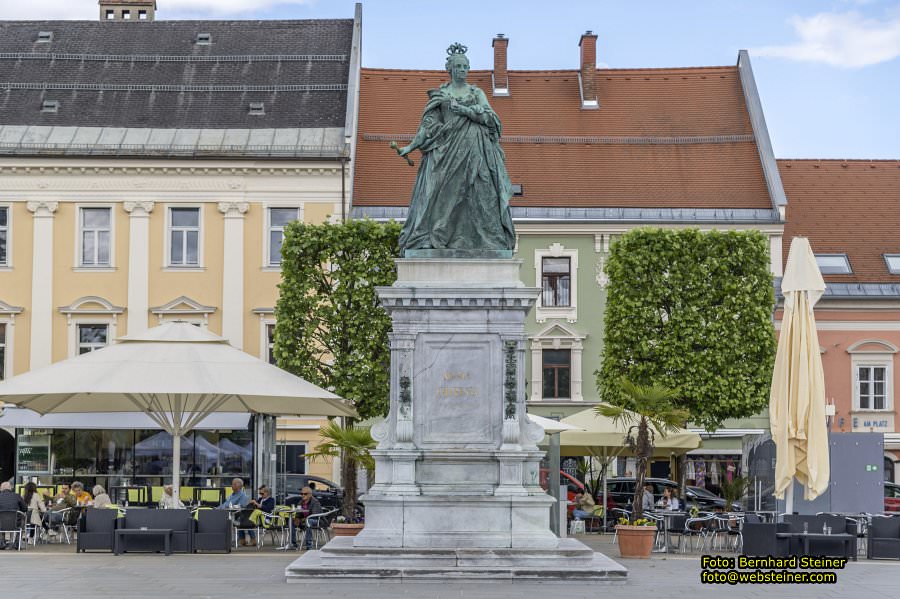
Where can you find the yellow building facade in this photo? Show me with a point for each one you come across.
(98, 249)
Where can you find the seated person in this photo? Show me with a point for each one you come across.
(82, 497)
(670, 499)
(237, 498)
(647, 498)
(584, 505)
(308, 506)
(264, 505)
(168, 501)
(101, 499)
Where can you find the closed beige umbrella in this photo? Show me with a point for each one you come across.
(797, 401)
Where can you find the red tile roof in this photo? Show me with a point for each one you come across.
(662, 138)
(845, 207)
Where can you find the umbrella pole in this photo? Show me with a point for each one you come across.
(789, 498)
(176, 466)
(603, 479)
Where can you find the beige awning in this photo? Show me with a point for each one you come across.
(602, 436)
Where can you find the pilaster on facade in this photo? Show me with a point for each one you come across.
(138, 264)
(42, 283)
(233, 273)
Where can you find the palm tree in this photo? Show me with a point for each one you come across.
(643, 408)
(351, 444)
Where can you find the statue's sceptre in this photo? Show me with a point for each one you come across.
(409, 160)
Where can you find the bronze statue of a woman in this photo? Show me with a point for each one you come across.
(461, 197)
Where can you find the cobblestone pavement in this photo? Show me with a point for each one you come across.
(58, 570)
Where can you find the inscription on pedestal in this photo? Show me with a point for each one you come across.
(456, 377)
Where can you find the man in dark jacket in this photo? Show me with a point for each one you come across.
(10, 501)
(307, 507)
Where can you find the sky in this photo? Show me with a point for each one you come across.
(828, 71)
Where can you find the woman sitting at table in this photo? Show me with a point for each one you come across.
(265, 504)
(35, 506)
(670, 499)
(101, 499)
(168, 501)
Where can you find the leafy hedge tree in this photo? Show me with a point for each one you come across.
(330, 328)
(691, 311)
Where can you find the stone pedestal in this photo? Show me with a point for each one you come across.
(456, 489)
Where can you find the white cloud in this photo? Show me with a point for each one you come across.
(846, 40)
(88, 10)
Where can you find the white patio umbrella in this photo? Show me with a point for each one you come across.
(175, 373)
(797, 400)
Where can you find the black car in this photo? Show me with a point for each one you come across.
(621, 490)
(329, 494)
(707, 500)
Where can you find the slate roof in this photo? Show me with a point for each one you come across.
(677, 138)
(846, 207)
(156, 75)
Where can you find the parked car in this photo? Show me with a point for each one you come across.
(891, 497)
(572, 484)
(620, 489)
(329, 493)
(707, 500)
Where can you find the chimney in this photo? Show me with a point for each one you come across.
(501, 77)
(588, 73)
(127, 10)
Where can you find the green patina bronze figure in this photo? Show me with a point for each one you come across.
(460, 200)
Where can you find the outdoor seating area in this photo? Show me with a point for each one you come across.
(119, 529)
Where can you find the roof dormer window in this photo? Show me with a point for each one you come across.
(204, 39)
(126, 15)
(45, 37)
(893, 263)
(110, 14)
(257, 108)
(50, 106)
(833, 264)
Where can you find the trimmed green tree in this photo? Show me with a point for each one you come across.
(330, 327)
(691, 311)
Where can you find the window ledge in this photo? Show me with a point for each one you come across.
(570, 313)
(5, 268)
(184, 268)
(94, 269)
(271, 268)
(872, 410)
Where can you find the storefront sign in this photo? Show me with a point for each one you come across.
(868, 422)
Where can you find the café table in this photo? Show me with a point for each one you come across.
(845, 538)
(291, 514)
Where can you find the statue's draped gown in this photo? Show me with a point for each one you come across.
(461, 196)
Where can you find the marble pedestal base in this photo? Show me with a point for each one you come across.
(457, 490)
(339, 561)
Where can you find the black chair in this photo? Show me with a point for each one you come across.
(760, 539)
(12, 524)
(213, 532)
(179, 521)
(884, 538)
(96, 530)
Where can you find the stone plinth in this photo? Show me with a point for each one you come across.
(456, 490)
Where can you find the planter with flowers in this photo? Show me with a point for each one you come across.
(635, 538)
(341, 527)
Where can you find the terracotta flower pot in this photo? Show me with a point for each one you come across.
(635, 541)
(345, 529)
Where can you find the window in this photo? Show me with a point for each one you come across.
(833, 264)
(893, 263)
(278, 219)
(45, 37)
(4, 235)
(557, 366)
(142, 15)
(555, 282)
(110, 15)
(184, 237)
(270, 344)
(95, 236)
(2, 351)
(204, 39)
(872, 387)
(92, 337)
(126, 15)
(50, 106)
(257, 108)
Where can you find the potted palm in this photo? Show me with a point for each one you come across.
(352, 444)
(645, 410)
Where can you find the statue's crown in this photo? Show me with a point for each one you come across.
(457, 48)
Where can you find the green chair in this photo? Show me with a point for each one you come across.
(156, 494)
(138, 496)
(186, 494)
